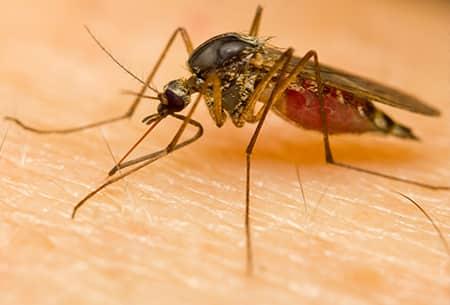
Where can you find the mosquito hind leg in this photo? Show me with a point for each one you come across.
(254, 29)
(188, 44)
(328, 153)
(331, 161)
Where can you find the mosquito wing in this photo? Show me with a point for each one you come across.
(365, 88)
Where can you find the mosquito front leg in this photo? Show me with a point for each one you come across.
(189, 48)
(171, 146)
(146, 160)
(132, 108)
(153, 155)
(217, 95)
(219, 115)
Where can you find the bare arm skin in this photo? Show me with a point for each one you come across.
(173, 232)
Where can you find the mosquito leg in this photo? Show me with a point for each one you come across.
(203, 90)
(156, 122)
(254, 29)
(390, 177)
(219, 116)
(158, 155)
(248, 112)
(65, 130)
(328, 154)
(132, 108)
(217, 94)
(189, 48)
(285, 58)
(173, 145)
(144, 158)
(143, 162)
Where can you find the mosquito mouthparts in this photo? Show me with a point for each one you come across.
(151, 118)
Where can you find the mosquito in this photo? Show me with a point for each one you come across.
(237, 73)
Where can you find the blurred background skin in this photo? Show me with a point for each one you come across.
(173, 233)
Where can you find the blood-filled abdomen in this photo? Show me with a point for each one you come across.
(345, 113)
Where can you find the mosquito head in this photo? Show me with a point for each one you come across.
(174, 98)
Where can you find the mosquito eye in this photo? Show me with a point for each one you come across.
(174, 102)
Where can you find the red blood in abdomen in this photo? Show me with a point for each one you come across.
(303, 108)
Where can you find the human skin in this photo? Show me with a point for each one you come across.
(173, 233)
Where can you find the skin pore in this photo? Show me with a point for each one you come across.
(173, 232)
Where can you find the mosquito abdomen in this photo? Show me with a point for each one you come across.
(345, 113)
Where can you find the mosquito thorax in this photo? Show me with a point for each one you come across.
(216, 52)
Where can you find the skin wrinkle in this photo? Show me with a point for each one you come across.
(192, 248)
(4, 139)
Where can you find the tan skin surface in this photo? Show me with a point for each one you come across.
(173, 233)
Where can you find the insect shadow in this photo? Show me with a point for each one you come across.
(241, 77)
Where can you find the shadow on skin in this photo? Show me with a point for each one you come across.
(310, 151)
